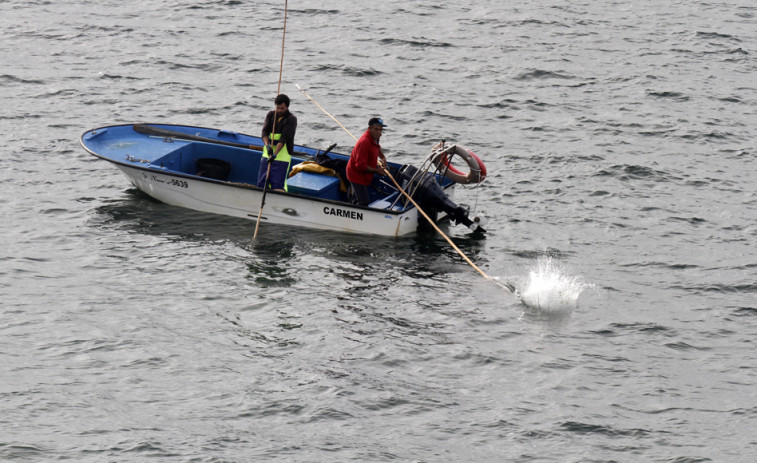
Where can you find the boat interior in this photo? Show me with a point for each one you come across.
(241, 165)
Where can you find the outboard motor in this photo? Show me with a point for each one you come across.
(426, 191)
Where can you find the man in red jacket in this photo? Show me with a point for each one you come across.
(363, 163)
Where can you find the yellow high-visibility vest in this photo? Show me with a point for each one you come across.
(283, 155)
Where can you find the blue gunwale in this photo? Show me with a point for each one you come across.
(121, 144)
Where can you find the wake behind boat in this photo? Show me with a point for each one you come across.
(215, 171)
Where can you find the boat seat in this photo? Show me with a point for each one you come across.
(387, 201)
(315, 185)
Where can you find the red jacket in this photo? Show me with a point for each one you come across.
(364, 154)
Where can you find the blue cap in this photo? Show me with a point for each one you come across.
(376, 121)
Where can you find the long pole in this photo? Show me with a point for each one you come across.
(506, 286)
(327, 113)
(271, 156)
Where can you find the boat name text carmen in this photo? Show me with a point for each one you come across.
(343, 213)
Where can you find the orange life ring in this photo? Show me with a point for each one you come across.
(442, 160)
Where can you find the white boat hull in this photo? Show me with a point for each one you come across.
(215, 171)
(243, 201)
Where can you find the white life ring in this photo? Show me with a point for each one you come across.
(442, 155)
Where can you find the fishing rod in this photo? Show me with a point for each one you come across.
(506, 286)
(327, 113)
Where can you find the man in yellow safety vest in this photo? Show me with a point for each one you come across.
(278, 138)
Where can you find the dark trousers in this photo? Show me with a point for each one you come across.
(360, 195)
(277, 176)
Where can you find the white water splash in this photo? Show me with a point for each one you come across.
(550, 290)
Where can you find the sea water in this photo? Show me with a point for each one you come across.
(620, 198)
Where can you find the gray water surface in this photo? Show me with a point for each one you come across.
(619, 139)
